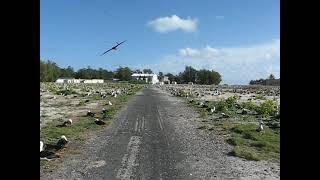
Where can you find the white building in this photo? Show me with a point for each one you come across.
(149, 78)
(65, 80)
(93, 81)
(73, 80)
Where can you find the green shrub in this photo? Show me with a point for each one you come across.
(250, 105)
(182, 93)
(267, 108)
(231, 101)
(222, 106)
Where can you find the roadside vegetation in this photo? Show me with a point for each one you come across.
(239, 123)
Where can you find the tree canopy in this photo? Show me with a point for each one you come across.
(271, 80)
(147, 71)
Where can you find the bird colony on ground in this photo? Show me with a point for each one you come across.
(64, 104)
(245, 104)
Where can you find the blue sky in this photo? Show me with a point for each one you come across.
(239, 39)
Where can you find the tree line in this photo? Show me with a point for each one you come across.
(270, 81)
(50, 72)
(202, 76)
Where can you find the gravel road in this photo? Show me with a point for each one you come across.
(156, 137)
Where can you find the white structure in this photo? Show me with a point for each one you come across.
(166, 80)
(93, 81)
(73, 80)
(67, 80)
(77, 81)
(149, 78)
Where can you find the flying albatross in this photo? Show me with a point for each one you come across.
(114, 47)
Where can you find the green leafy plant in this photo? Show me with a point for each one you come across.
(267, 108)
(222, 106)
(249, 105)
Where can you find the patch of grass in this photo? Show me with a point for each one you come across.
(50, 134)
(253, 145)
(203, 113)
(244, 152)
(250, 105)
(95, 97)
(227, 125)
(66, 92)
(261, 97)
(236, 141)
(203, 127)
(123, 98)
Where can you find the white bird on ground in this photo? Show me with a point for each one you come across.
(99, 122)
(62, 142)
(225, 115)
(115, 95)
(110, 103)
(67, 122)
(89, 113)
(41, 146)
(213, 109)
(244, 111)
(260, 128)
(47, 154)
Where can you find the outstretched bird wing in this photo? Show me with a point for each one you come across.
(120, 43)
(106, 51)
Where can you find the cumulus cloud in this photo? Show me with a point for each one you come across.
(237, 65)
(166, 24)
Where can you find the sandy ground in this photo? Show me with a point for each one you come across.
(55, 107)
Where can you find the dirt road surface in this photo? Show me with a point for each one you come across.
(156, 137)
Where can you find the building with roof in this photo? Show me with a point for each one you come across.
(148, 78)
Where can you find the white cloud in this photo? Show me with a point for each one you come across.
(237, 65)
(166, 24)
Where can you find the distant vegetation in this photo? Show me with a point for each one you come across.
(270, 81)
(190, 74)
(50, 72)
